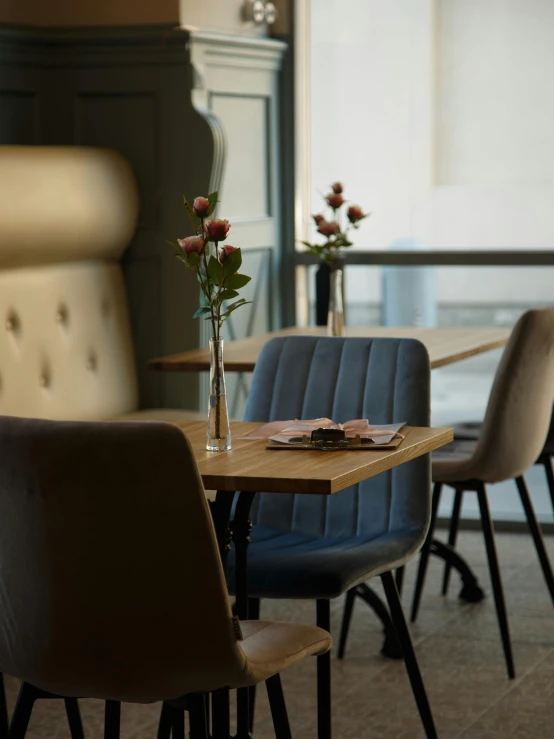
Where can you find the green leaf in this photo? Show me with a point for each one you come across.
(215, 271)
(188, 206)
(234, 306)
(232, 262)
(201, 311)
(212, 197)
(228, 294)
(193, 258)
(236, 281)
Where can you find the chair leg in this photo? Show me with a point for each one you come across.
(547, 463)
(253, 615)
(177, 724)
(278, 707)
(198, 718)
(536, 534)
(165, 724)
(324, 675)
(346, 618)
(488, 532)
(3, 710)
(74, 718)
(426, 551)
(452, 535)
(112, 720)
(410, 659)
(221, 719)
(22, 711)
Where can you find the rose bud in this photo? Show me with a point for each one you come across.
(217, 229)
(191, 244)
(328, 228)
(337, 188)
(226, 250)
(201, 207)
(335, 200)
(318, 219)
(355, 213)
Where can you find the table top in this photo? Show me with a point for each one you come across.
(445, 346)
(250, 466)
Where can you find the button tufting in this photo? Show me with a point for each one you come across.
(62, 314)
(12, 322)
(9, 324)
(91, 363)
(43, 382)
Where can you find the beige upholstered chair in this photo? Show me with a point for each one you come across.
(67, 214)
(112, 584)
(515, 428)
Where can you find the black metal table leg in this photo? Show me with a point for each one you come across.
(241, 528)
(471, 590)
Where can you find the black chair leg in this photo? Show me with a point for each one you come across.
(324, 675)
(346, 618)
(547, 463)
(197, 717)
(426, 551)
(112, 720)
(536, 533)
(22, 711)
(74, 718)
(278, 707)
(221, 719)
(165, 723)
(410, 659)
(452, 535)
(488, 532)
(3, 710)
(253, 615)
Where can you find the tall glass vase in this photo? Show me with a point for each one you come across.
(335, 316)
(219, 431)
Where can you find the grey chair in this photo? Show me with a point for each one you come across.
(318, 547)
(102, 529)
(514, 431)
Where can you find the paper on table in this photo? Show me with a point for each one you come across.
(276, 427)
(287, 432)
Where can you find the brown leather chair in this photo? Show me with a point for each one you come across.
(112, 584)
(514, 431)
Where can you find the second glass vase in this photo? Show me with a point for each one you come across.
(219, 431)
(335, 316)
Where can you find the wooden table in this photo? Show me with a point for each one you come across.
(250, 467)
(445, 346)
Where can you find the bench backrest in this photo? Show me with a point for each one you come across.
(66, 216)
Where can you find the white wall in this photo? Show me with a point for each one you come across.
(439, 117)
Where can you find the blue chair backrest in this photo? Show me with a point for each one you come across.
(384, 380)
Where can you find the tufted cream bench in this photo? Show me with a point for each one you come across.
(67, 215)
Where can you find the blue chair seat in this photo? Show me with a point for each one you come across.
(284, 564)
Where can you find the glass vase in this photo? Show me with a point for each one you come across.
(219, 432)
(335, 316)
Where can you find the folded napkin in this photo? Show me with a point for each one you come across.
(289, 432)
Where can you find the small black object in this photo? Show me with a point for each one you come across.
(328, 435)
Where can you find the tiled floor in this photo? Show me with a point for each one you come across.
(459, 652)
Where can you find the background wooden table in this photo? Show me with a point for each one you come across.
(249, 466)
(445, 346)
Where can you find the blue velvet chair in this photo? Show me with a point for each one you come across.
(319, 547)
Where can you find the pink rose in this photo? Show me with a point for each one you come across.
(337, 188)
(328, 228)
(192, 244)
(226, 250)
(201, 207)
(318, 219)
(217, 229)
(335, 200)
(355, 213)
